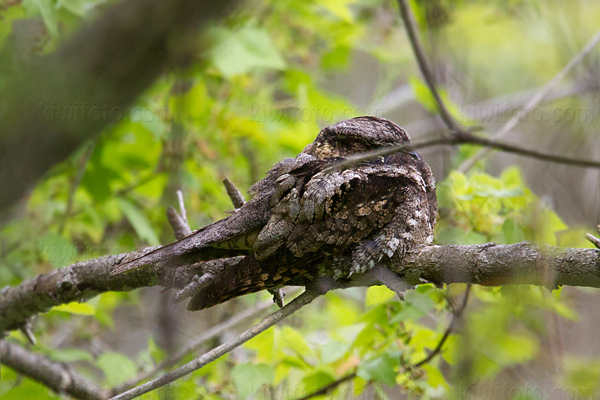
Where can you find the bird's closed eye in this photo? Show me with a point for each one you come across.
(414, 155)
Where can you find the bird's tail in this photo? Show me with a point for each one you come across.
(211, 242)
(246, 276)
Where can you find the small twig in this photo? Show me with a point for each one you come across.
(533, 102)
(458, 139)
(328, 388)
(455, 316)
(278, 295)
(391, 281)
(236, 196)
(76, 182)
(179, 225)
(302, 300)
(57, 376)
(411, 30)
(593, 239)
(178, 221)
(26, 330)
(193, 287)
(182, 211)
(191, 348)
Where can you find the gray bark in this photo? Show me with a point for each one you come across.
(489, 264)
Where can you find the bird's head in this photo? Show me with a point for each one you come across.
(356, 135)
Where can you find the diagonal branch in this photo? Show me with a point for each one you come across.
(539, 96)
(411, 30)
(192, 347)
(455, 316)
(299, 302)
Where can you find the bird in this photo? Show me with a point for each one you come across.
(308, 218)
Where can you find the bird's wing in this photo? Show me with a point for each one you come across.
(332, 210)
(231, 236)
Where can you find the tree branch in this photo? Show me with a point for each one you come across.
(329, 387)
(305, 298)
(192, 347)
(490, 264)
(458, 139)
(57, 376)
(411, 30)
(539, 96)
(456, 314)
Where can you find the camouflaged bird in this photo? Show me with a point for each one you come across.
(305, 221)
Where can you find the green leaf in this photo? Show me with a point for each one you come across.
(339, 8)
(434, 376)
(315, 381)
(139, 222)
(48, 12)
(70, 355)
(512, 231)
(381, 368)
(57, 250)
(75, 308)
(74, 6)
(117, 368)
(249, 378)
(416, 305)
(333, 351)
(242, 51)
(294, 340)
(378, 295)
(266, 344)
(28, 390)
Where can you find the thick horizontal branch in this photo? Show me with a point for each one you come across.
(76, 282)
(494, 265)
(489, 264)
(57, 376)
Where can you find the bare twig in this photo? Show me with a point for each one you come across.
(411, 30)
(191, 348)
(302, 300)
(76, 182)
(182, 211)
(57, 376)
(236, 196)
(27, 330)
(455, 316)
(329, 387)
(194, 286)
(178, 223)
(533, 102)
(458, 139)
(593, 239)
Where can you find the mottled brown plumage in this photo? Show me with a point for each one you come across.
(303, 222)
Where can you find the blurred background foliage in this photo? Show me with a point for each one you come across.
(274, 73)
